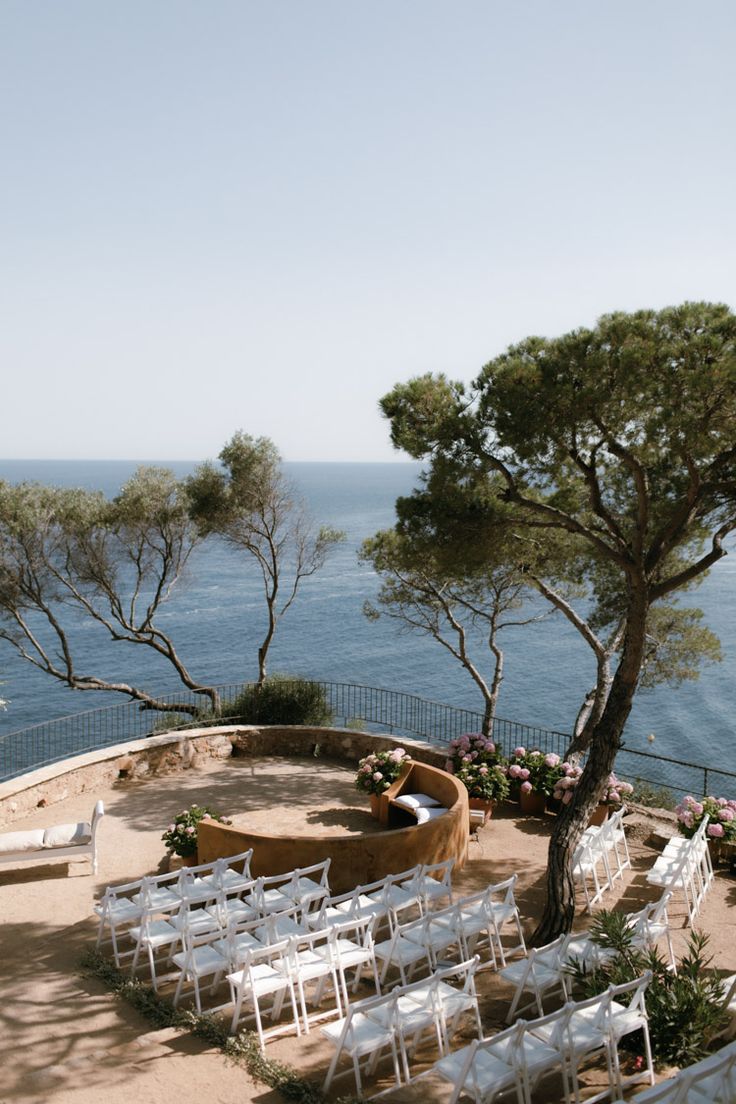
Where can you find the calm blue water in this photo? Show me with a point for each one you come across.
(216, 619)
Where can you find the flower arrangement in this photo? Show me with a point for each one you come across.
(472, 747)
(613, 794)
(181, 836)
(489, 783)
(534, 770)
(379, 769)
(616, 789)
(721, 811)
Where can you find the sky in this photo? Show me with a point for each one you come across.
(263, 215)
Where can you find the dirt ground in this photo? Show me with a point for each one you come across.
(66, 1040)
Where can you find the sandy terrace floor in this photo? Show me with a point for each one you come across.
(65, 1040)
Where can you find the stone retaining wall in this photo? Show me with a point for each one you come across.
(168, 753)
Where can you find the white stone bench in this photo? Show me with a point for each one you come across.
(61, 841)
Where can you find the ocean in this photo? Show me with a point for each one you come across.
(216, 618)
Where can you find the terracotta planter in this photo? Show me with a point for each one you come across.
(375, 805)
(599, 814)
(483, 804)
(176, 862)
(533, 804)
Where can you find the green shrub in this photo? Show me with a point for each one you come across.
(281, 701)
(655, 797)
(685, 1009)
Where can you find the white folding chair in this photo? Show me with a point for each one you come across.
(310, 959)
(231, 875)
(358, 1035)
(504, 910)
(471, 920)
(432, 884)
(397, 894)
(199, 959)
(354, 950)
(588, 856)
(679, 873)
(583, 1030)
(627, 1016)
(497, 1065)
(153, 933)
(541, 972)
(406, 948)
(118, 912)
(309, 885)
(451, 1003)
(650, 925)
(263, 973)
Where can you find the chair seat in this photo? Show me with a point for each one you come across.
(364, 1035)
(158, 934)
(159, 898)
(489, 1071)
(121, 911)
(261, 979)
(205, 959)
(404, 951)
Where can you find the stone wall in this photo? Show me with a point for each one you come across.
(168, 753)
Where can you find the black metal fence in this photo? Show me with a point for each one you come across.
(377, 709)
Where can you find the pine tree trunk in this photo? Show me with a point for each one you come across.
(559, 910)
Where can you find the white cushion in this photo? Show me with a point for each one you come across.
(429, 814)
(67, 835)
(30, 840)
(416, 801)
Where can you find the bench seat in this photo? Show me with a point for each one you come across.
(61, 841)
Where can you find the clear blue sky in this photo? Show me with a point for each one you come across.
(262, 215)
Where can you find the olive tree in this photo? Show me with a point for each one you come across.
(623, 438)
(69, 556)
(248, 501)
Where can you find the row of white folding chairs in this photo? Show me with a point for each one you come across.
(686, 865)
(710, 1081)
(123, 905)
(603, 846)
(397, 1022)
(258, 960)
(515, 1059)
(203, 903)
(420, 889)
(470, 924)
(545, 970)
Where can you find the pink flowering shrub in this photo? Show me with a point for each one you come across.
(614, 793)
(379, 769)
(722, 813)
(486, 782)
(472, 748)
(535, 771)
(181, 836)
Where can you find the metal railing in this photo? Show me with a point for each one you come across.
(403, 714)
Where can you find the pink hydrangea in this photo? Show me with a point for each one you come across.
(519, 752)
(483, 770)
(551, 760)
(524, 773)
(526, 787)
(715, 831)
(377, 776)
(696, 808)
(727, 814)
(514, 770)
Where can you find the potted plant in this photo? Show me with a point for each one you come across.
(537, 775)
(485, 785)
(611, 798)
(377, 771)
(181, 836)
(722, 825)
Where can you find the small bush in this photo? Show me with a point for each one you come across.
(281, 701)
(655, 797)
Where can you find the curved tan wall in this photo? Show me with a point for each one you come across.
(356, 859)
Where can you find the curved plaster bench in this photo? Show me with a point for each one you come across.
(62, 841)
(357, 859)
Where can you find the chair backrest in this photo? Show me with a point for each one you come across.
(440, 871)
(503, 890)
(97, 815)
(551, 954)
(636, 989)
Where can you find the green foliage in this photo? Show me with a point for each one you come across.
(281, 700)
(480, 780)
(655, 797)
(378, 770)
(685, 1009)
(181, 836)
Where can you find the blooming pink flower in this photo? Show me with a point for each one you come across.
(524, 773)
(726, 814)
(519, 752)
(526, 787)
(483, 770)
(551, 760)
(514, 770)
(696, 808)
(377, 776)
(715, 831)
